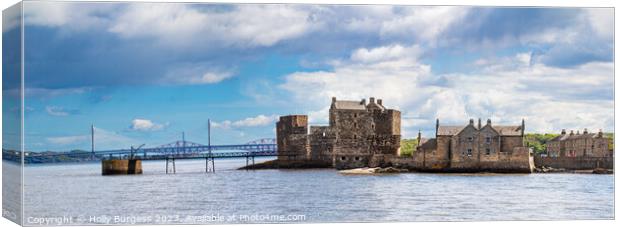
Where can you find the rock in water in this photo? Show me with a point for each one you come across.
(359, 171)
(602, 171)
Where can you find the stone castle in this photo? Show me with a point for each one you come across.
(475, 148)
(359, 134)
(579, 145)
(363, 134)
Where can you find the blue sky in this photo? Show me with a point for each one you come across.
(146, 72)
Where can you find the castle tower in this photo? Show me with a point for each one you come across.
(292, 137)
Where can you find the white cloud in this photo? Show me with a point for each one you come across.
(196, 74)
(242, 26)
(425, 23)
(506, 90)
(59, 111)
(104, 139)
(260, 120)
(145, 125)
(68, 15)
(602, 21)
(393, 77)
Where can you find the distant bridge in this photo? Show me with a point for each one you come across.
(181, 148)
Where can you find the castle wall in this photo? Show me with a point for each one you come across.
(575, 163)
(354, 133)
(509, 142)
(322, 143)
(292, 137)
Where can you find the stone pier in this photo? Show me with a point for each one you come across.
(121, 167)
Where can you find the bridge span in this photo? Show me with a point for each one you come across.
(181, 149)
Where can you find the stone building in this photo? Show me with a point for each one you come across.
(359, 134)
(579, 145)
(474, 148)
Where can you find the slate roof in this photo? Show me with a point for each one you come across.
(349, 105)
(508, 130)
(428, 144)
(502, 130)
(449, 130)
(375, 105)
(574, 136)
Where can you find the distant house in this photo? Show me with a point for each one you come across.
(475, 148)
(579, 145)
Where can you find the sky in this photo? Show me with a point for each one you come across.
(144, 73)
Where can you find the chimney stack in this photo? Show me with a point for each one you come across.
(522, 127)
(577, 132)
(380, 102)
(600, 133)
(419, 137)
(479, 123)
(471, 121)
(333, 99)
(563, 131)
(488, 121)
(372, 99)
(571, 132)
(436, 127)
(585, 131)
(363, 102)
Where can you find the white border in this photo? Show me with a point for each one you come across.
(556, 3)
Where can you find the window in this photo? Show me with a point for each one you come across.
(357, 158)
(354, 136)
(355, 115)
(470, 139)
(343, 158)
(488, 151)
(354, 125)
(468, 152)
(488, 139)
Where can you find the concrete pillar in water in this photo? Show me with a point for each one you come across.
(121, 167)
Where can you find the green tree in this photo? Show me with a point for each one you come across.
(538, 142)
(407, 146)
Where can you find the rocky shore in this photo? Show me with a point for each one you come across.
(377, 170)
(546, 169)
(275, 164)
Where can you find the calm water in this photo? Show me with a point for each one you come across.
(79, 191)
